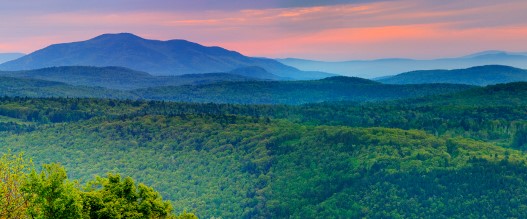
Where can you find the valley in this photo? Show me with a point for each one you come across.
(243, 160)
(120, 126)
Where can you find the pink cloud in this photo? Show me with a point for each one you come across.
(407, 28)
(368, 43)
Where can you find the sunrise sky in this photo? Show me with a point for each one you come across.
(323, 30)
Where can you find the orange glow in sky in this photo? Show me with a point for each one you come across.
(366, 30)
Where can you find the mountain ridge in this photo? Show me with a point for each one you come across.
(330, 89)
(121, 78)
(235, 92)
(391, 66)
(171, 57)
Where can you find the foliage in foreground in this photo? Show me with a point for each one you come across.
(26, 193)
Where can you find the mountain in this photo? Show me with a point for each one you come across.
(123, 78)
(24, 87)
(294, 92)
(386, 67)
(172, 57)
(480, 75)
(5, 57)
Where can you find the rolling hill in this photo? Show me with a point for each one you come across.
(480, 75)
(124, 78)
(25, 87)
(294, 92)
(499, 96)
(495, 113)
(244, 92)
(387, 67)
(172, 57)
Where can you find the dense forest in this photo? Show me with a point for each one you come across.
(295, 92)
(453, 155)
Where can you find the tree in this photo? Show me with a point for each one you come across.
(114, 197)
(24, 193)
(51, 195)
(519, 140)
(13, 173)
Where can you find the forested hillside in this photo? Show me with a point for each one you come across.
(295, 92)
(207, 87)
(120, 78)
(479, 75)
(329, 160)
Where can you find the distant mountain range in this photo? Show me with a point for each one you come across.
(480, 75)
(5, 57)
(385, 67)
(172, 57)
(127, 79)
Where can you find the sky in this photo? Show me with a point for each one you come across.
(331, 30)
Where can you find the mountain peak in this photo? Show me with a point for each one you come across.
(118, 36)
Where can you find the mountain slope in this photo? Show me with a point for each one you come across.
(481, 75)
(120, 78)
(295, 92)
(386, 67)
(173, 57)
(255, 72)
